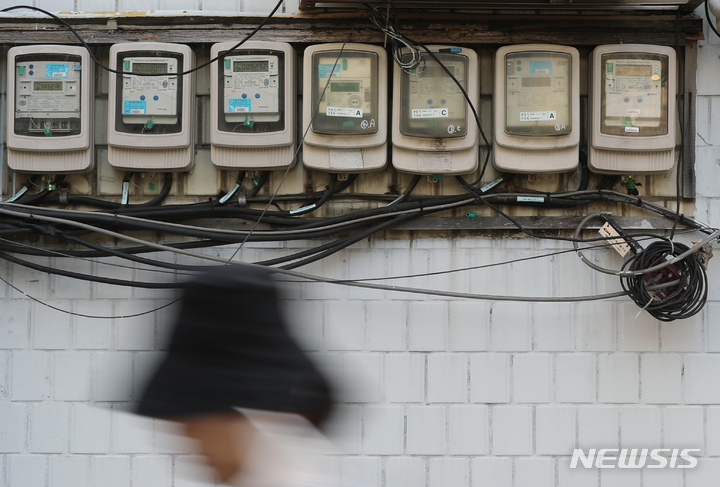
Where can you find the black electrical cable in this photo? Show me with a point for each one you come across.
(408, 190)
(89, 277)
(351, 240)
(36, 198)
(106, 68)
(686, 279)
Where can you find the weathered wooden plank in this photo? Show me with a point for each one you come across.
(689, 98)
(530, 223)
(475, 224)
(457, 28)
(303, 36)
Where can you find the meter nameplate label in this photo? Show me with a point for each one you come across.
(434, 161)
(135, 107)
(346, 159)
(537, 116)
(324, 70)
(56, 70)
(633, 130)
(530, 199)
(430, 113)
(241, 105)
(541, 67)
(344, 112)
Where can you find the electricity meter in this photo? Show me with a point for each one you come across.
(537, 108)
(345, 103)
(252, 106)
(50, 126)
(632, 109)
(434, 131)
(150, 109)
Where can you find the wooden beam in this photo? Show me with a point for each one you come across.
(461, 28)
(479, 224)
(689, 97)
(530, 223)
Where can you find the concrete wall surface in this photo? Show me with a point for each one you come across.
(433, 391)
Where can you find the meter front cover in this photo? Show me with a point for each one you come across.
(150, 92)
(345, 92)
(634, 94)
(538, 93)
(252, 84)
(48, 97)
(433, 104)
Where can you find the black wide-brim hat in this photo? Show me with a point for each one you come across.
(231, 349)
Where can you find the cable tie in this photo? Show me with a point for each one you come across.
(125, 192)
(491, 185)
(304, 208)
(229, 194)
(17, 195)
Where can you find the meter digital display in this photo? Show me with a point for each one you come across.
(150, 68)
(634, 98)
(47, 86)
(432, 102)
(251, 66)
(344, 88)
(631, 70)
(538, 95)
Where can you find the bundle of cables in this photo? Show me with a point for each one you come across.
(667, 279)
(675, 292)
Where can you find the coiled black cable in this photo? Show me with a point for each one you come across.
(676, 292)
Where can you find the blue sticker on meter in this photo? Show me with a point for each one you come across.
(57, 70)
(240, 105)
(540, 67)
(324, 70)
(135, 107)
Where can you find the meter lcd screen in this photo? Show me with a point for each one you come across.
(250, 67)
(432, 103)
(344, 87)
(536, 82)
(150, 68)
(633, 70)
(538, 93)
(634, 94)
(47, 86)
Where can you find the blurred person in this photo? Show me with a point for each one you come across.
(240, 385)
